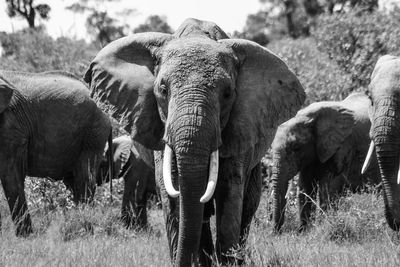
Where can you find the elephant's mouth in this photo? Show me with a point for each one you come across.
(212, 177)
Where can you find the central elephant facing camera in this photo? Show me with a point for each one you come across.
(213, 106)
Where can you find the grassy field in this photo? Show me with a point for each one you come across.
(356, 235)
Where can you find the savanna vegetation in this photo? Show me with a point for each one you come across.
(332, 49)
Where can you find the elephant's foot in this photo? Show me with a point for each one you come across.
(393, 223)
(135, 220)
(232, 258)
(141, 217)
(24, 227)
(303, 227)
(206, 246)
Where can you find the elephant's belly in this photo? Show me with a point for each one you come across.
(52, 163)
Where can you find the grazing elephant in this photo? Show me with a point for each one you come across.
(213, 105)
(326, 144)
(49, 127)
(385, 126)
(135, 164)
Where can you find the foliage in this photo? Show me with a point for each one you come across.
(100, 23)
(154, 23)
(355, 40)
(274, 20)
(27, 10)
(342, 5)
(321, 77)
(35, 51)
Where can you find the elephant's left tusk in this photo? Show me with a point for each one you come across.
(398, 175)
(368, 157)
(212, 177)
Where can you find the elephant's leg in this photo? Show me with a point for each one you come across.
(206, 249)
(306, 196)
(229, 198)
(68, 181)
(252, 198)
(84, 177)
(13, 183)
(128, 200)
(170, 205)
(141, 194)
(330, 188)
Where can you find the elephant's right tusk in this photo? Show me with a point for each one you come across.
(212, 177)
(167, 162)
(368, 157)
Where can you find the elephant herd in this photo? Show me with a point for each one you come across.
(201, 111)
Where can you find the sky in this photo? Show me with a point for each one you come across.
(230, 15)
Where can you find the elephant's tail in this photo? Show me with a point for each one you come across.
(110, 161)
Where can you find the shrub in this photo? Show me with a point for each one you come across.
(321, 77)
(355, 40)
(35, 51)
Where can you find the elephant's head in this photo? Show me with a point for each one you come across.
(193, 27)
(315, 136)
(197, 97)
(385, 132)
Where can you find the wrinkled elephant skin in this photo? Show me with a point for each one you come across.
(326, 144)
(49, 127)
(135, 164)
(384, 90)
(213, 105)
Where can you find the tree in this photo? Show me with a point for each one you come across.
(99, 23)
(27, 10)
(105, 28)
(343, 5)
(154, 23)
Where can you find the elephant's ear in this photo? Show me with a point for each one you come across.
(122, 151)
(122, 75)
(200, 27)
(333, 125)
(6, 92)
(267, 94)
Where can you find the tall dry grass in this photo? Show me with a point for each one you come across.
(91, 235)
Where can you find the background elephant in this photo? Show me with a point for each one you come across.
(213, 105)
(325, 143)
(49, 127)
(135, 164)
(384, 90)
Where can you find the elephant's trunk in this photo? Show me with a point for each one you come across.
(193, 134)
(280, 181)
(386, 135)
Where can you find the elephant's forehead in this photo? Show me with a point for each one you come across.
(197, 51)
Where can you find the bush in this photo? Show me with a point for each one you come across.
(321, 78)
(35, 51)
(355, 40)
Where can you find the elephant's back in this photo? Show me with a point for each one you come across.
(45, 86)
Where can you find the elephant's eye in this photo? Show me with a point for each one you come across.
(163, 90)
(227, 92)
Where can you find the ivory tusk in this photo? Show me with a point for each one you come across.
(368, 157)
(167, 162)
(398, 175)
(212, 177)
